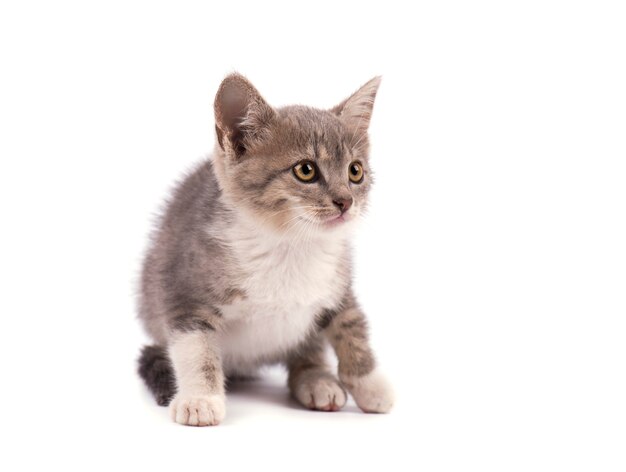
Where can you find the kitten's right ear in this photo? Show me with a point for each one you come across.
(242, 116)
(356, 110)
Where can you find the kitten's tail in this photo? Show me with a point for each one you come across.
(156, 371)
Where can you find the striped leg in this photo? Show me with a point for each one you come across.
(347, 331)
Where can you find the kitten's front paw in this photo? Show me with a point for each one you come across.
(320, 391)
(198, 410)
(372, 392)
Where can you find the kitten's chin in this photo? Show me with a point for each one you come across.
(336, 221)
(338, 225)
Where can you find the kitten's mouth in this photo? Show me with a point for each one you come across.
(336, 220)
(331, 221)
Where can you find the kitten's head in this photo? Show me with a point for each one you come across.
(294, 168)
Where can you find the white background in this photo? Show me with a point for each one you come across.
(492, 263)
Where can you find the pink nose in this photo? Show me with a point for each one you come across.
(343, 204)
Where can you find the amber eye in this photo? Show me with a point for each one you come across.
(356, 172)
(306, 171)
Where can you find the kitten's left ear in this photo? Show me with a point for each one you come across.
(242, 116)
(356, 110)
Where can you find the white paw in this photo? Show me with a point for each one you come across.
(198, 410)
(372, 392)
(320, 391)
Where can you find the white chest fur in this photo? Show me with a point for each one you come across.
(286, 283)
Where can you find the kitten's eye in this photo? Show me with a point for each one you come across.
(306, 171)
(356, 172)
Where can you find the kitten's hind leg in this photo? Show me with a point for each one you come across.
(311, 381)
(194, 350)
(156, 371)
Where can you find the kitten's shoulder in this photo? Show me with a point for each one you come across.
(196, 198)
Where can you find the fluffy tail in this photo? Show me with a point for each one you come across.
(156, 371)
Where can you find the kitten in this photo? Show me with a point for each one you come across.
(251, 262)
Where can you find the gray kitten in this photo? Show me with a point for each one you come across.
(250, 264)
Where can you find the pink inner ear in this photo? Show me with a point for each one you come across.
(233, 105)
(231, 108)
